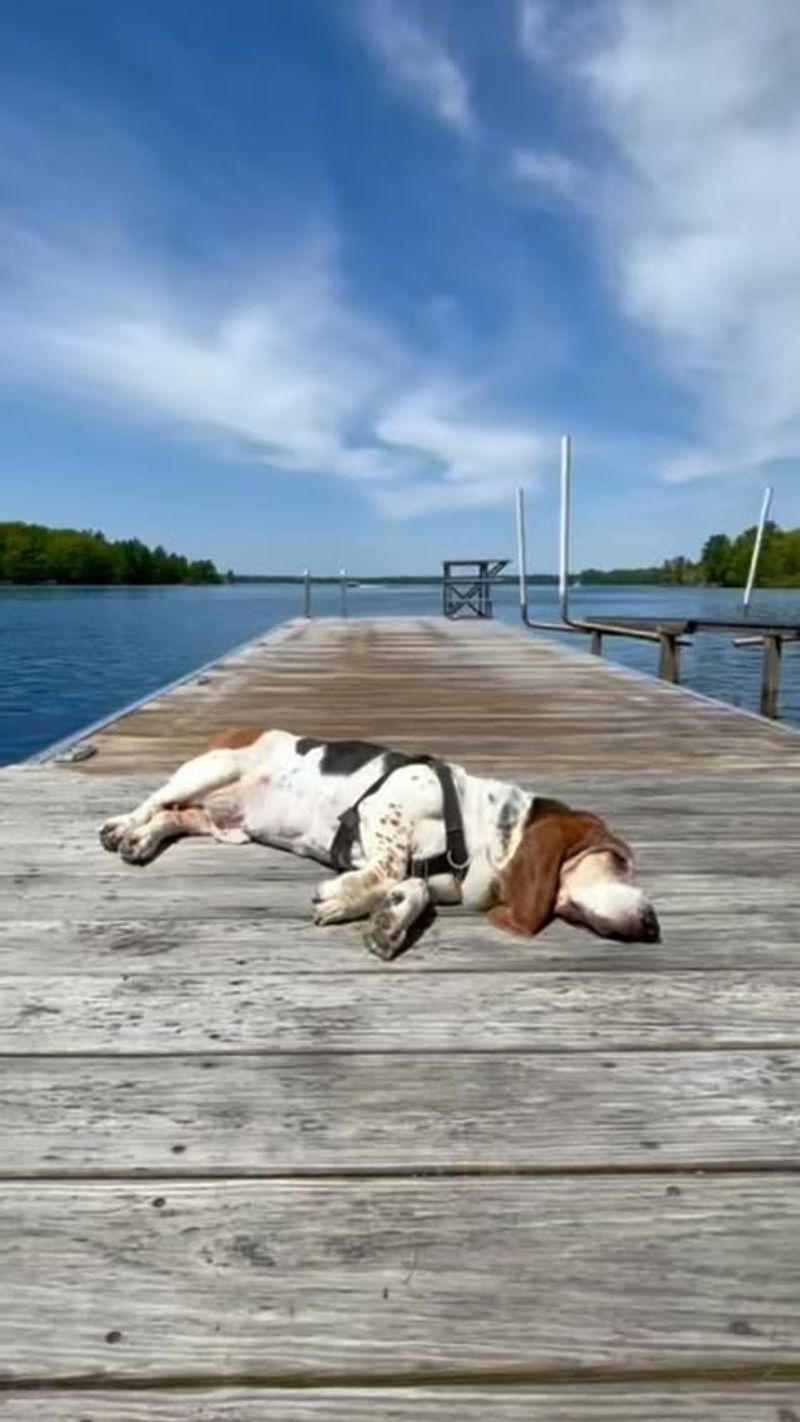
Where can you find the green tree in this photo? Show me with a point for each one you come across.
(714, 558)
(30, 553)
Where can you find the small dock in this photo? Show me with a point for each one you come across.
(250, 1172)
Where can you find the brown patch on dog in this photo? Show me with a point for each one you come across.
(529, 885)
(235, 738)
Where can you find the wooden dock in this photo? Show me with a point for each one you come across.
(250, 1172)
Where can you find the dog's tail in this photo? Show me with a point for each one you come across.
(235, 737)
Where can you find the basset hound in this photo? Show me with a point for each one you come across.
(406, 831)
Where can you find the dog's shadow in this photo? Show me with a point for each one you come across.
(417, 931)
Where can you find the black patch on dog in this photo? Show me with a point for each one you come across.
(306, 744)
(346, 757)
(508, 816)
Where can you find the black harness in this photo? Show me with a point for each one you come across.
(455, 859)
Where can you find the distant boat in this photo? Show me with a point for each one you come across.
(351, 583)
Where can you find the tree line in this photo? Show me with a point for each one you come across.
(31, 553)
(723, 563)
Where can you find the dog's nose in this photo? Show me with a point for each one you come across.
(650, 930)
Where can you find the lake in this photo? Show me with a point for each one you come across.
(69, 656)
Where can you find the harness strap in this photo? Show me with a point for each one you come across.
(455, 859)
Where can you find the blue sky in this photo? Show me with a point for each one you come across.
(291, 282)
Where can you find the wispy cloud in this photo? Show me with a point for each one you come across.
(547, 173)
(535, 29)
(418, 63)
(481, 459)
(701, 105)
(281, 366)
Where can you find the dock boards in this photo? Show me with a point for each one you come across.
(251, 1172)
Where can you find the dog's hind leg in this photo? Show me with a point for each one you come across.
(191, 782)
(142, 845)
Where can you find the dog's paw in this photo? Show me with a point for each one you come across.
(113, 832)
(385, 934)
(326, 889)
(138, 847)
(330, 911)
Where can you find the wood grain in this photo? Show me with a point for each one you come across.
(222, 945)
(487, 693)
(732, 1402)
(398, 1012)
(268, 1115)
(241, 1153)
(276, 1279)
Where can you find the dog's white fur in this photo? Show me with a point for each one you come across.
(285, 792)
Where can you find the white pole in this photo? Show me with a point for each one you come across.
(751, 577)
(563, 561)
(522, 554)
(306, 593)
(343, 590)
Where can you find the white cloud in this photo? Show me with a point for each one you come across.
(482, 461)
(287, 370)
(547, 172)
(702, 105)
(418, 63)
(535, 23)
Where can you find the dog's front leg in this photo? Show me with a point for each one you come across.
(386, 842)
(396, 913)
(351, 895)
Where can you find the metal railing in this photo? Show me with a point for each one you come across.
(670, 633)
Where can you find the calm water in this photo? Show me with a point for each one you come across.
(69, 656)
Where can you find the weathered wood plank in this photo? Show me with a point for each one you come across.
(66, 824)
(271, 1115)
(63, 791)
(168, 1013)
(229, 944)
(270, 1280)
(707, 855)
(69, 800)
(611, 1402)
(131, 891)
(469, 1055)
(490, 692)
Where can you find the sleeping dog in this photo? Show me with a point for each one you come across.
(404, 831)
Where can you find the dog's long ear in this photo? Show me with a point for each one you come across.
(529, 884)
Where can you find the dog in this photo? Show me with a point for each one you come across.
(404, 831)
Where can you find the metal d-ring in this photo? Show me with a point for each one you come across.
(454, 864)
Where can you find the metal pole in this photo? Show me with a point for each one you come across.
(343, 590)
(306, 593)
(771, 676)
(522, 554)
(751, 577)
(563, 561)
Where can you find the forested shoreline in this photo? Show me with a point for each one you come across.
(723, 563)
(32, 553)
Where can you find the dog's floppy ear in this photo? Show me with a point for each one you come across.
(529, 884)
